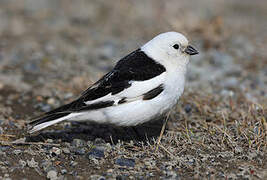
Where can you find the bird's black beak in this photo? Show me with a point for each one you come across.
(190, 50)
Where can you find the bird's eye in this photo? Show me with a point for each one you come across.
(175, 46)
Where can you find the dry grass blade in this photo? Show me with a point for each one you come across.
(162, 130)
(7, 135)
(168, 152)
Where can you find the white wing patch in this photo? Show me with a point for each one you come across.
(134, 92)
(139, 88)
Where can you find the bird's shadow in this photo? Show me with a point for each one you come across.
(108, 133)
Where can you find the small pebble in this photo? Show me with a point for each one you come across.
(46, 165)
(17, 151)
(188, 108)
(121, 177)
(73, 163)
(55, 151)
(125, 162)
(43, 107)
(79, 151)
(90, 144)
(32, 163)
(171, 175)
(52, 174)
(64, 171)
(78, 143)
(191, 161)
(252, 155)
(49, 141)
(51, 101)
(96, 153)
(238, 150)
(66, 150)
(22, 163)
(97, 177)
(99, 141)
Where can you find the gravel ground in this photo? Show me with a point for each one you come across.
(52, 50)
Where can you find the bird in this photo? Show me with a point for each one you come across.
(143, 85)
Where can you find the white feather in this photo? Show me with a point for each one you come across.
(49, 123)
(138, 88)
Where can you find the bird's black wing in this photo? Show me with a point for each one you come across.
(136, 66)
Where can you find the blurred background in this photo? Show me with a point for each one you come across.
(48, 43)
(52, 50)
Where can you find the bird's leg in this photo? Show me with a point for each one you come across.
(162, 130)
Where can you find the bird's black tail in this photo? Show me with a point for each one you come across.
(52, 117)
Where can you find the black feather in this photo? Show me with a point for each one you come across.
(123, 100)
(153, 93)
(137, 66)
(52, 115)
(98, 105)
(47, 118)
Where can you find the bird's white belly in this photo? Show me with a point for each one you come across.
(130, 114)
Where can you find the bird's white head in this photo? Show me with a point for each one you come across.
(170, 49)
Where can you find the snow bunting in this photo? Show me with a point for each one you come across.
(143, 85)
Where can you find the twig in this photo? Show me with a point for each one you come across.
(224, 126)
(225, 133)
(111, 139)
(187, 132)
